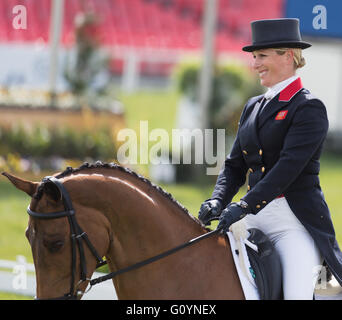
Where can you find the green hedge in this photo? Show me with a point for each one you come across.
(67, 143)
(232, 85)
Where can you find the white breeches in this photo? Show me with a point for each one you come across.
(300, 258)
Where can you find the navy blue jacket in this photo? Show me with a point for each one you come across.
(279, 150)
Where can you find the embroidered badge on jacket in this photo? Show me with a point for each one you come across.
(281, 115)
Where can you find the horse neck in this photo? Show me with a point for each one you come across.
(144, 221)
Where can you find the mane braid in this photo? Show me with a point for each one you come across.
(100, 165)
(39, 192)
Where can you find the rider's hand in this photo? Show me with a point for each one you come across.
(231, 214)
(210, 209)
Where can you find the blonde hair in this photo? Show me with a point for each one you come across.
(298, 59)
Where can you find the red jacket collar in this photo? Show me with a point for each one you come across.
(287, 93)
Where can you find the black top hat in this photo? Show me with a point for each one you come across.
(276, 33)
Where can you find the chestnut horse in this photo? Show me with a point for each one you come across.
(127, 219)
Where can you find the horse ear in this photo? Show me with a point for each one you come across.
(24, 185)
(52, 191)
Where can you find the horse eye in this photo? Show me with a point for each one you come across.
(53, 246)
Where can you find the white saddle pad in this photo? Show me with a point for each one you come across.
(243, 266)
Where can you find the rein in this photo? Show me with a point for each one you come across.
(152, 259)
(77, 235)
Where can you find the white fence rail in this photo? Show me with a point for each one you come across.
(18, 277)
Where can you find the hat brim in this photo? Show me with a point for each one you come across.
(280, 44)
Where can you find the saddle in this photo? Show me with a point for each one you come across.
(266, 267)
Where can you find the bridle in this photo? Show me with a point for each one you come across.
(78, 236)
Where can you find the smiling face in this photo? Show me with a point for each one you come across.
(273, 67)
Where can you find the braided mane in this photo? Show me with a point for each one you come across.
(113, 166)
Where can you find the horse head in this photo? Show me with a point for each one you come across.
(63, 264)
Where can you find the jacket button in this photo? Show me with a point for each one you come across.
(248, 187)
(245, 152)
(264, 202)
(258, 206)
(263, 169)
(260, 152)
